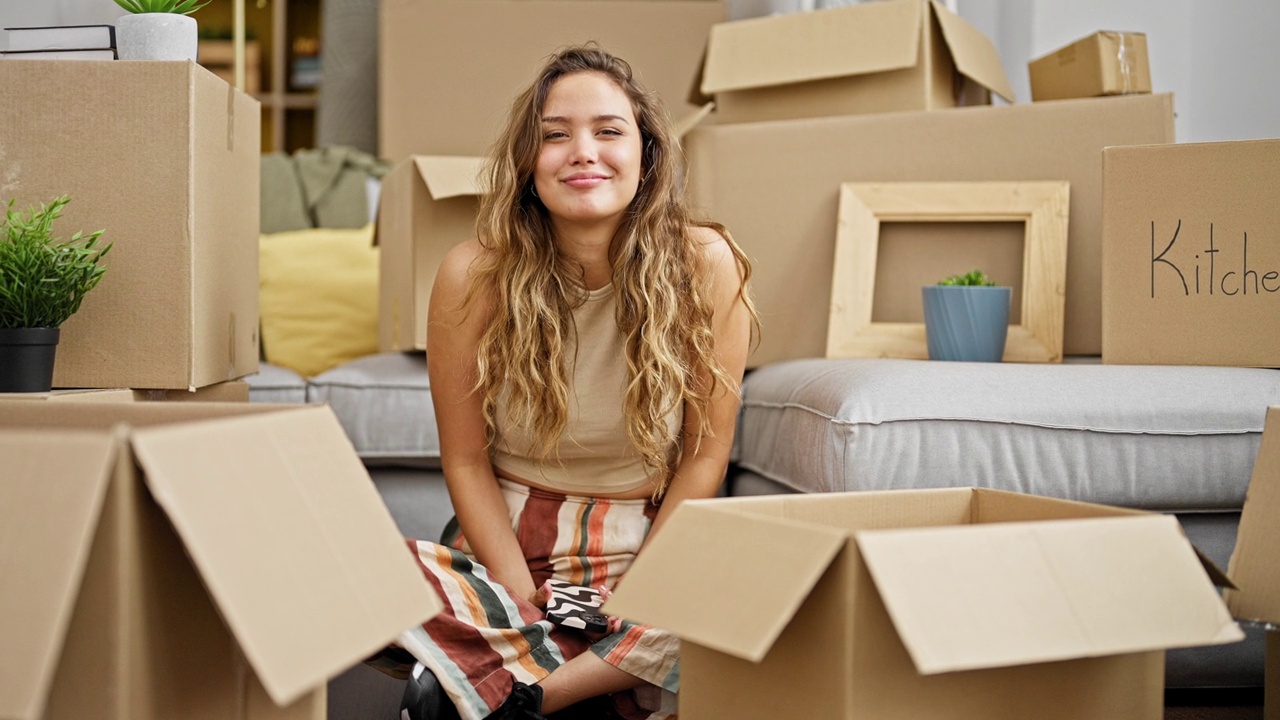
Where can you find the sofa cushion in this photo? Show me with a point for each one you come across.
(384, 404)
(1165, 438)
(275, 384)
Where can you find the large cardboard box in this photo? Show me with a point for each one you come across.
(164, 156)
(428, 204)
(449, 69)
(1105, 63)
(75, 395)
(1191, 254)
(1255, 561)
(190, 560)
(954, 603)
(776, 186)
(876, 57)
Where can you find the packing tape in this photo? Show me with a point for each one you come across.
(1124, 54)
(231, 118)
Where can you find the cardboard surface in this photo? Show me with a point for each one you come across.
(230, 391)
(311, 576)
(1191, 254)
(428, 205)
(450, 68)
(76, 395)
(964, 598)
(1104, 63)
(841, 655)
(173, 180)
(776, 187)
(875, 57)
(1255, 561)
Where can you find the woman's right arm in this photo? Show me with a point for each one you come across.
(453, 341)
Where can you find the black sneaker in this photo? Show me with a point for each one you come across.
(424, 699)
(524, 703)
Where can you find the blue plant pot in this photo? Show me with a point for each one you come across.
(966, 323)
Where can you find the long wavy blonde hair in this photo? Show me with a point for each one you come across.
(660, 283)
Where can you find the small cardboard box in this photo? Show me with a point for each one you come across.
(1191, 254)
(190, 560)
(875, 57)
(428, 204)
(1255, 561)
(164, 156)
(1105, 63)
(451, 68)
(955, 603)
(229, 391)
(776, 186)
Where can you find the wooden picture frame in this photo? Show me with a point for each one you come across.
(1042, 206)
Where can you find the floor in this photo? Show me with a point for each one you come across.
(1213, 704)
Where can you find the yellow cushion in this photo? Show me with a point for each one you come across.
(318, 297)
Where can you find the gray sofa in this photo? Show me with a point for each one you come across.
(1168, 439)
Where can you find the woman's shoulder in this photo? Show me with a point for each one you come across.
(458, 265)
(718, 251)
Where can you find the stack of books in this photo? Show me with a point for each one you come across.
(65, 42)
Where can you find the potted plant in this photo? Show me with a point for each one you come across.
(157, 29)
(966, 317)
(42, 282)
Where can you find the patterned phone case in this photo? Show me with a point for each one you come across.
(575, 606)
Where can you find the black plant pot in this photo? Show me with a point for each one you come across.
(26, 359)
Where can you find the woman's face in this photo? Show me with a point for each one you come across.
(588, 167)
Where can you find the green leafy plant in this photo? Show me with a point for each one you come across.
(179, 7)
(43, 280)
(971, 278)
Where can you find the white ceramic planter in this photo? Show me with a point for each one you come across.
(156, 36)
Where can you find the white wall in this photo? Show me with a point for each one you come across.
(1218, 57)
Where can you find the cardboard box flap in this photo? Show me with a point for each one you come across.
(741, 588)
(832, 43)
(1255, 561)
(292, 541)
(973, 53)
(450, 176)
(50, 499)
(985, 596)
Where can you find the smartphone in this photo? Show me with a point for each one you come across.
(576, 606)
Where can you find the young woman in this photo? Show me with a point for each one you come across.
(585, 354)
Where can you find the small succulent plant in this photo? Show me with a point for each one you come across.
(971, 278)
(178, 7)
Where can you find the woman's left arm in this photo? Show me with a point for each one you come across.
(703, 464)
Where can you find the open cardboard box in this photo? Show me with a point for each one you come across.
(428, 205)
(1191, 254)
(875, 57)
(1255, 562)
(165, 157)
(190, 560)
(449, 69)
(951, 603)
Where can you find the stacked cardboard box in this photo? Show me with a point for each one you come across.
(1105, 63)
(164, 157)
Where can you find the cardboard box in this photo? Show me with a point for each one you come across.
(164, 156)
(428, 204)
(218, 57)
(955, 603)
(1255, 561)
(1105, 63)
(875, 57)
(190, 560)
(776, 186)
(451, 68)
(1191, 254)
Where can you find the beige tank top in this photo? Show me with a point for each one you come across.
(595, 455)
